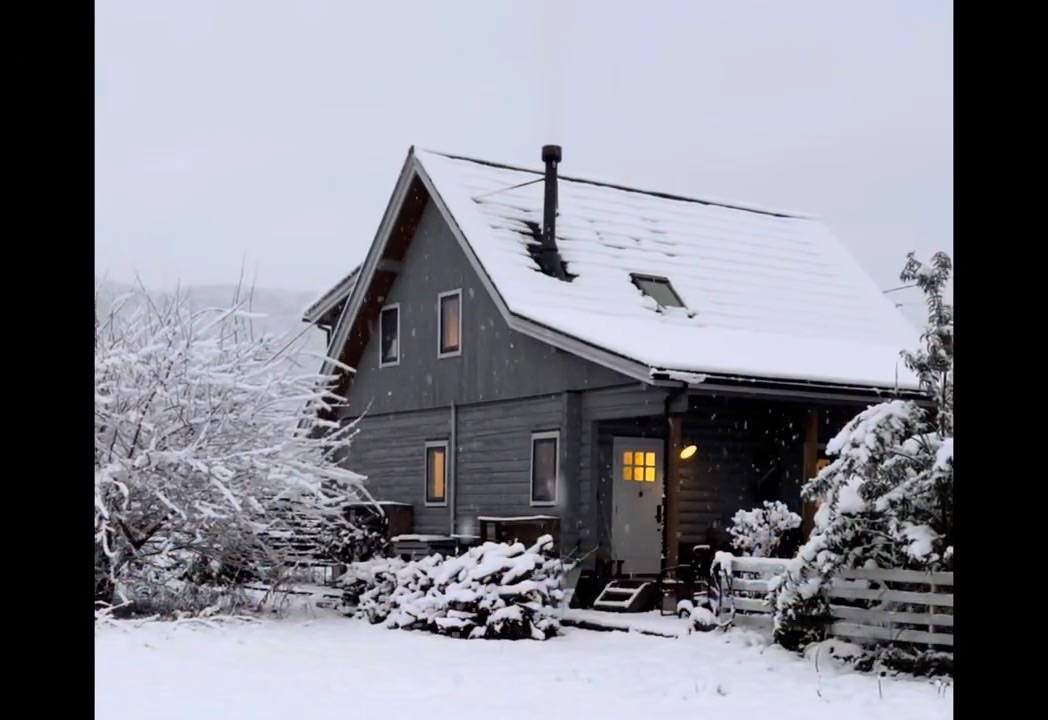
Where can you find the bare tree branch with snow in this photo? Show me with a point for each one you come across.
(203, 432)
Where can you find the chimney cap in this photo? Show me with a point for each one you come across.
(551, 153)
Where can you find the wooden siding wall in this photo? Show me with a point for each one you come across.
(490, 471)
(390, 451)
(493, 467)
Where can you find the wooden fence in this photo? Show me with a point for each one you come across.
(904, 607)
(893, 606)
(751, 579)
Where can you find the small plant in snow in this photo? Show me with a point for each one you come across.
(494, 591)
(202, 431)
(759, 532)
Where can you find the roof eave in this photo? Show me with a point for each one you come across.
(786, 387)
(326, 302)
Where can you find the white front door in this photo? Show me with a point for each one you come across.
(636, 497)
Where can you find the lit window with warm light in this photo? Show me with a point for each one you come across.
(449, 324)
(638, 466)
(436, 473)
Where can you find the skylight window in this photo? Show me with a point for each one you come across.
(658, 289)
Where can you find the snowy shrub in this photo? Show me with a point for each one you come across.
(494, 591)
(202, 431)
(914, 661)
(887, 496)
(759, 532)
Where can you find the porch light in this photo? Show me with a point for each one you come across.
(688, 452)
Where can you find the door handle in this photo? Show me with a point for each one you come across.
(658, 513)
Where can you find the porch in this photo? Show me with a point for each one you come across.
(667, 482)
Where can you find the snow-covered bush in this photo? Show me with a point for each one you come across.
(202, 430)
(887, 497)
(494, 591)
(759, 532)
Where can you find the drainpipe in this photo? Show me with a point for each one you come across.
(452, 461)
(671, 395)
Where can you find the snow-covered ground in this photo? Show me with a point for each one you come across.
(331, 667)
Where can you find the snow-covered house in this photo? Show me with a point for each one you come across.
(630, 366)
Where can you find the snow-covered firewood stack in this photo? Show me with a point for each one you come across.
(494, 591)
(368, 586)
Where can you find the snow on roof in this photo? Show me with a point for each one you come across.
(331, 297)
(767, 295)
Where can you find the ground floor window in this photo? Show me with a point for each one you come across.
(544, 467)
(436, 472)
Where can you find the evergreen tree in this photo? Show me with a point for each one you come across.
(887, 497)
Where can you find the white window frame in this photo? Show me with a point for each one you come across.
(440, 324)
(547, 435)
(394, 363)
(442, 444)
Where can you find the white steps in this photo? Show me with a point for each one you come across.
(626, 596)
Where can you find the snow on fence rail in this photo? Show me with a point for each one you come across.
(751, 579)
(867, 604)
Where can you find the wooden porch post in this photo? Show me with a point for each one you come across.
(672, 526)
(811, 461)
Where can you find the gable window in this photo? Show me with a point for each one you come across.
(389, 331)
(658, 289)
(449, 324)
(544, 466)
(436, 473)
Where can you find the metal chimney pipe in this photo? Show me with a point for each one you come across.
(551, 262)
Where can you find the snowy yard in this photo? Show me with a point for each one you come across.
(332, 667)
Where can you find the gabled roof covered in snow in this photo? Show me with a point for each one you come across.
(766, 296)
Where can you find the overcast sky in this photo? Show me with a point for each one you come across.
(274, 130)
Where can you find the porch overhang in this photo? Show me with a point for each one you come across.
(710, 384)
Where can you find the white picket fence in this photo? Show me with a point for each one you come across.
(867, 605)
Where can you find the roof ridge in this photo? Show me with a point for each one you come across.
(625, 188)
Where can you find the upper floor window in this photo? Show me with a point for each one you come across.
(449, 323)
(389, 331)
